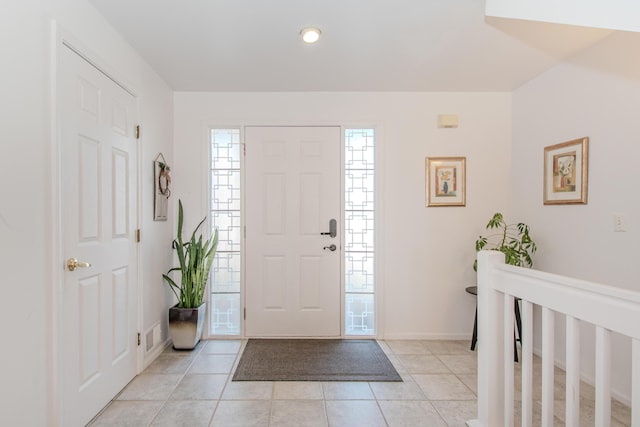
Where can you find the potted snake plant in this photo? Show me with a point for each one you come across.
(195, 257)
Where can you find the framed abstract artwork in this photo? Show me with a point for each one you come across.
(445, 181)
(566, 172)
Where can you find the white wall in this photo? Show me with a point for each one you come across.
(26, 172)
(425, 254)
(614, 14)
(594, 94)
(156, 118)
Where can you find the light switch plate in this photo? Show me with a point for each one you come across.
(619, 221)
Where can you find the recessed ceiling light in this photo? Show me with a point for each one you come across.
(310, 35)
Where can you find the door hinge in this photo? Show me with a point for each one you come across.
(245, 313)
(244, 149)
(139, 339)
(138, 235)
(137, 131)
(245, 231)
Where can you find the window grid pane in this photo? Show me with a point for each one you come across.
(225, 277)
(359, 232)
(359, 314)
(359, 272)
(226, 218)
(225, 314)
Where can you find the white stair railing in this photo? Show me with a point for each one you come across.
(609, 308)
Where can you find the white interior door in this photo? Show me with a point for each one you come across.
(292, 192)
(98, 349)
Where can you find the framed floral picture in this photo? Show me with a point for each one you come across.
(445, 181)
(566, 172)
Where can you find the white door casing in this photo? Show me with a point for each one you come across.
(293, 190)
(98, 334)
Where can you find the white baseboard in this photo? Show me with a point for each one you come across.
(616, 394)
(151, 356)
(427, 336)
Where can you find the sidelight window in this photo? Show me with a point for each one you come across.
(359, 248)
(225, 281)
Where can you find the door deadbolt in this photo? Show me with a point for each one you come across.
(333, 229)
(330, 247)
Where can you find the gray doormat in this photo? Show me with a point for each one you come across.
(314, 360)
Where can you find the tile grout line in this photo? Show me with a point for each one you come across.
(228, 380)
(394, 397)
(164, 403)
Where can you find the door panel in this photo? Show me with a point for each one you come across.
(292, 192)
(98, 350)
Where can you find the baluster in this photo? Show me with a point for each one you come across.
(548, 354)
(572, 417)
(507, 339)
(527, 363)
(603, 377)
(635, 383)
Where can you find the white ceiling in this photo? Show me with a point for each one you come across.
(367, 45)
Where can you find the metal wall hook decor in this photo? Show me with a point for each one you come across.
(162, 190)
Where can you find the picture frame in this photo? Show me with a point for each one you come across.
(445, 181)
(566, 172)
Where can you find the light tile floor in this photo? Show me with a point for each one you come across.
(438, 390)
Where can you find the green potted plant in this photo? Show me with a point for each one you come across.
(195, 258)
(513, 240)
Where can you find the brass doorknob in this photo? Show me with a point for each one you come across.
(73, 263)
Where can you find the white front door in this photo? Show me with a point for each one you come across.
(98, 346)
(292, 193)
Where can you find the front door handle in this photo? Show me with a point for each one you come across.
(333, 228)
(330, 247)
